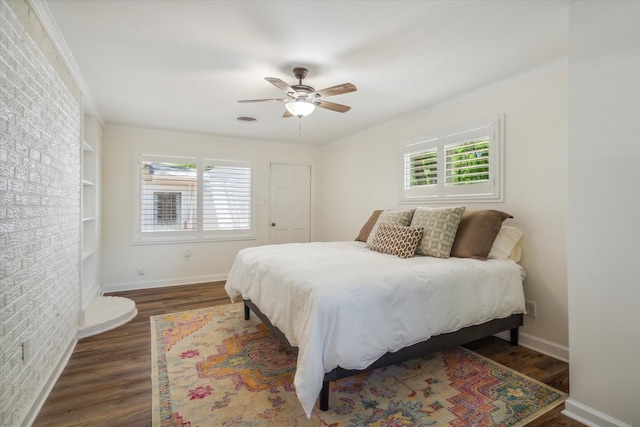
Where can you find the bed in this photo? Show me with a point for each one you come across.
(345, 308)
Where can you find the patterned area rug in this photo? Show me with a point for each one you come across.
(211, 367)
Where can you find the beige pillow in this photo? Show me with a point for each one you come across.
(397, 217)
(368, 226)
(440, 227)
(476, 233)
(396, 240)
(507, 244)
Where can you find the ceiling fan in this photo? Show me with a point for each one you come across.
(302, 99)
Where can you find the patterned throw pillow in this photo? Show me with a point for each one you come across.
(399, 217)
(440, 227)
(396, 240)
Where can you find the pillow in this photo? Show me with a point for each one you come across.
(396, 240)
(476, 233)
(507, 244)
(366, 228)
(399, 217)
(440, 227)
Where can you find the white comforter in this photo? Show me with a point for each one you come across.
(344, 305)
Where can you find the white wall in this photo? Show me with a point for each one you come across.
(362, 175)
(165, 264)
(604, 212)
(39, 213)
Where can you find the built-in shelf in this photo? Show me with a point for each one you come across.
(89, 283)
(97, 313)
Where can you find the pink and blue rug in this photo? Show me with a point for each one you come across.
(211, 367)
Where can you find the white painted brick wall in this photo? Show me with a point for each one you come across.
(39, 214)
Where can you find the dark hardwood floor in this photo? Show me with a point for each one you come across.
(107, 380)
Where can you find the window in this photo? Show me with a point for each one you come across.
(167, 207)
(461, 165)
(192, 198)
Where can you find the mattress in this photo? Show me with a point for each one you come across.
(344, 305)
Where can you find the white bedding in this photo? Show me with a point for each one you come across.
(344, 305)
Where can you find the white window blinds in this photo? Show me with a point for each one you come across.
(467, 163)
(192, 198)
(463, 165)
(421, 168)
(227, 196)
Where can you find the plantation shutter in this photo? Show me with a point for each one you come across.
(464, 165)
(467, 162)
(192, 199)
(226, 196)
(422, 168)
(167, 194)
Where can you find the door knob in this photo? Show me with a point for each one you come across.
(273, 224)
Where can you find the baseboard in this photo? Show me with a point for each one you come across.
(540, 345)
(589, 416)
(30, 415)
(133, 286)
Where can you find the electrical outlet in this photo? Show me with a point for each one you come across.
(530, 306)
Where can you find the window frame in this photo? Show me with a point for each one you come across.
(199, 234)
(441, 192)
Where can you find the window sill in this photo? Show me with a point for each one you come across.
(190, 239)
(451, 199)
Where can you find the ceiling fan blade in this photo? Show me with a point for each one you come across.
(279, 84)
(265, 100)
(332, 106)
(337, 90)
(287, 114)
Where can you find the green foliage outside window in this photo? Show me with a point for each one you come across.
(424, 169)
(185, 165)
(468, 163)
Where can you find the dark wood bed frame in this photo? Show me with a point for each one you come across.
(433, 344)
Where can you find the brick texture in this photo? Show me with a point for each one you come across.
(39, 213)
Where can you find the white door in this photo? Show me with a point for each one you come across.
(290, 203)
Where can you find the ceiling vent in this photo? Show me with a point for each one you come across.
(246, 119)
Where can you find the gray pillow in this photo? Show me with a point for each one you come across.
(440, 227)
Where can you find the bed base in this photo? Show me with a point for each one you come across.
(432, 345)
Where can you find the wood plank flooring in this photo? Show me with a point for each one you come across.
(107, 380)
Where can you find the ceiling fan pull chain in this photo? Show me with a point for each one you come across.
(299, 127)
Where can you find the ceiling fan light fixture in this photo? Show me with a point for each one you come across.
(300, 108)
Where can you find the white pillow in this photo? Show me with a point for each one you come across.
(507, 244)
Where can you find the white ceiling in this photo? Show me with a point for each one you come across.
(182, 65)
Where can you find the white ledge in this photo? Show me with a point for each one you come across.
(105, 313)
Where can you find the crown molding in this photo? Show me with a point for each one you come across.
(43, 13)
